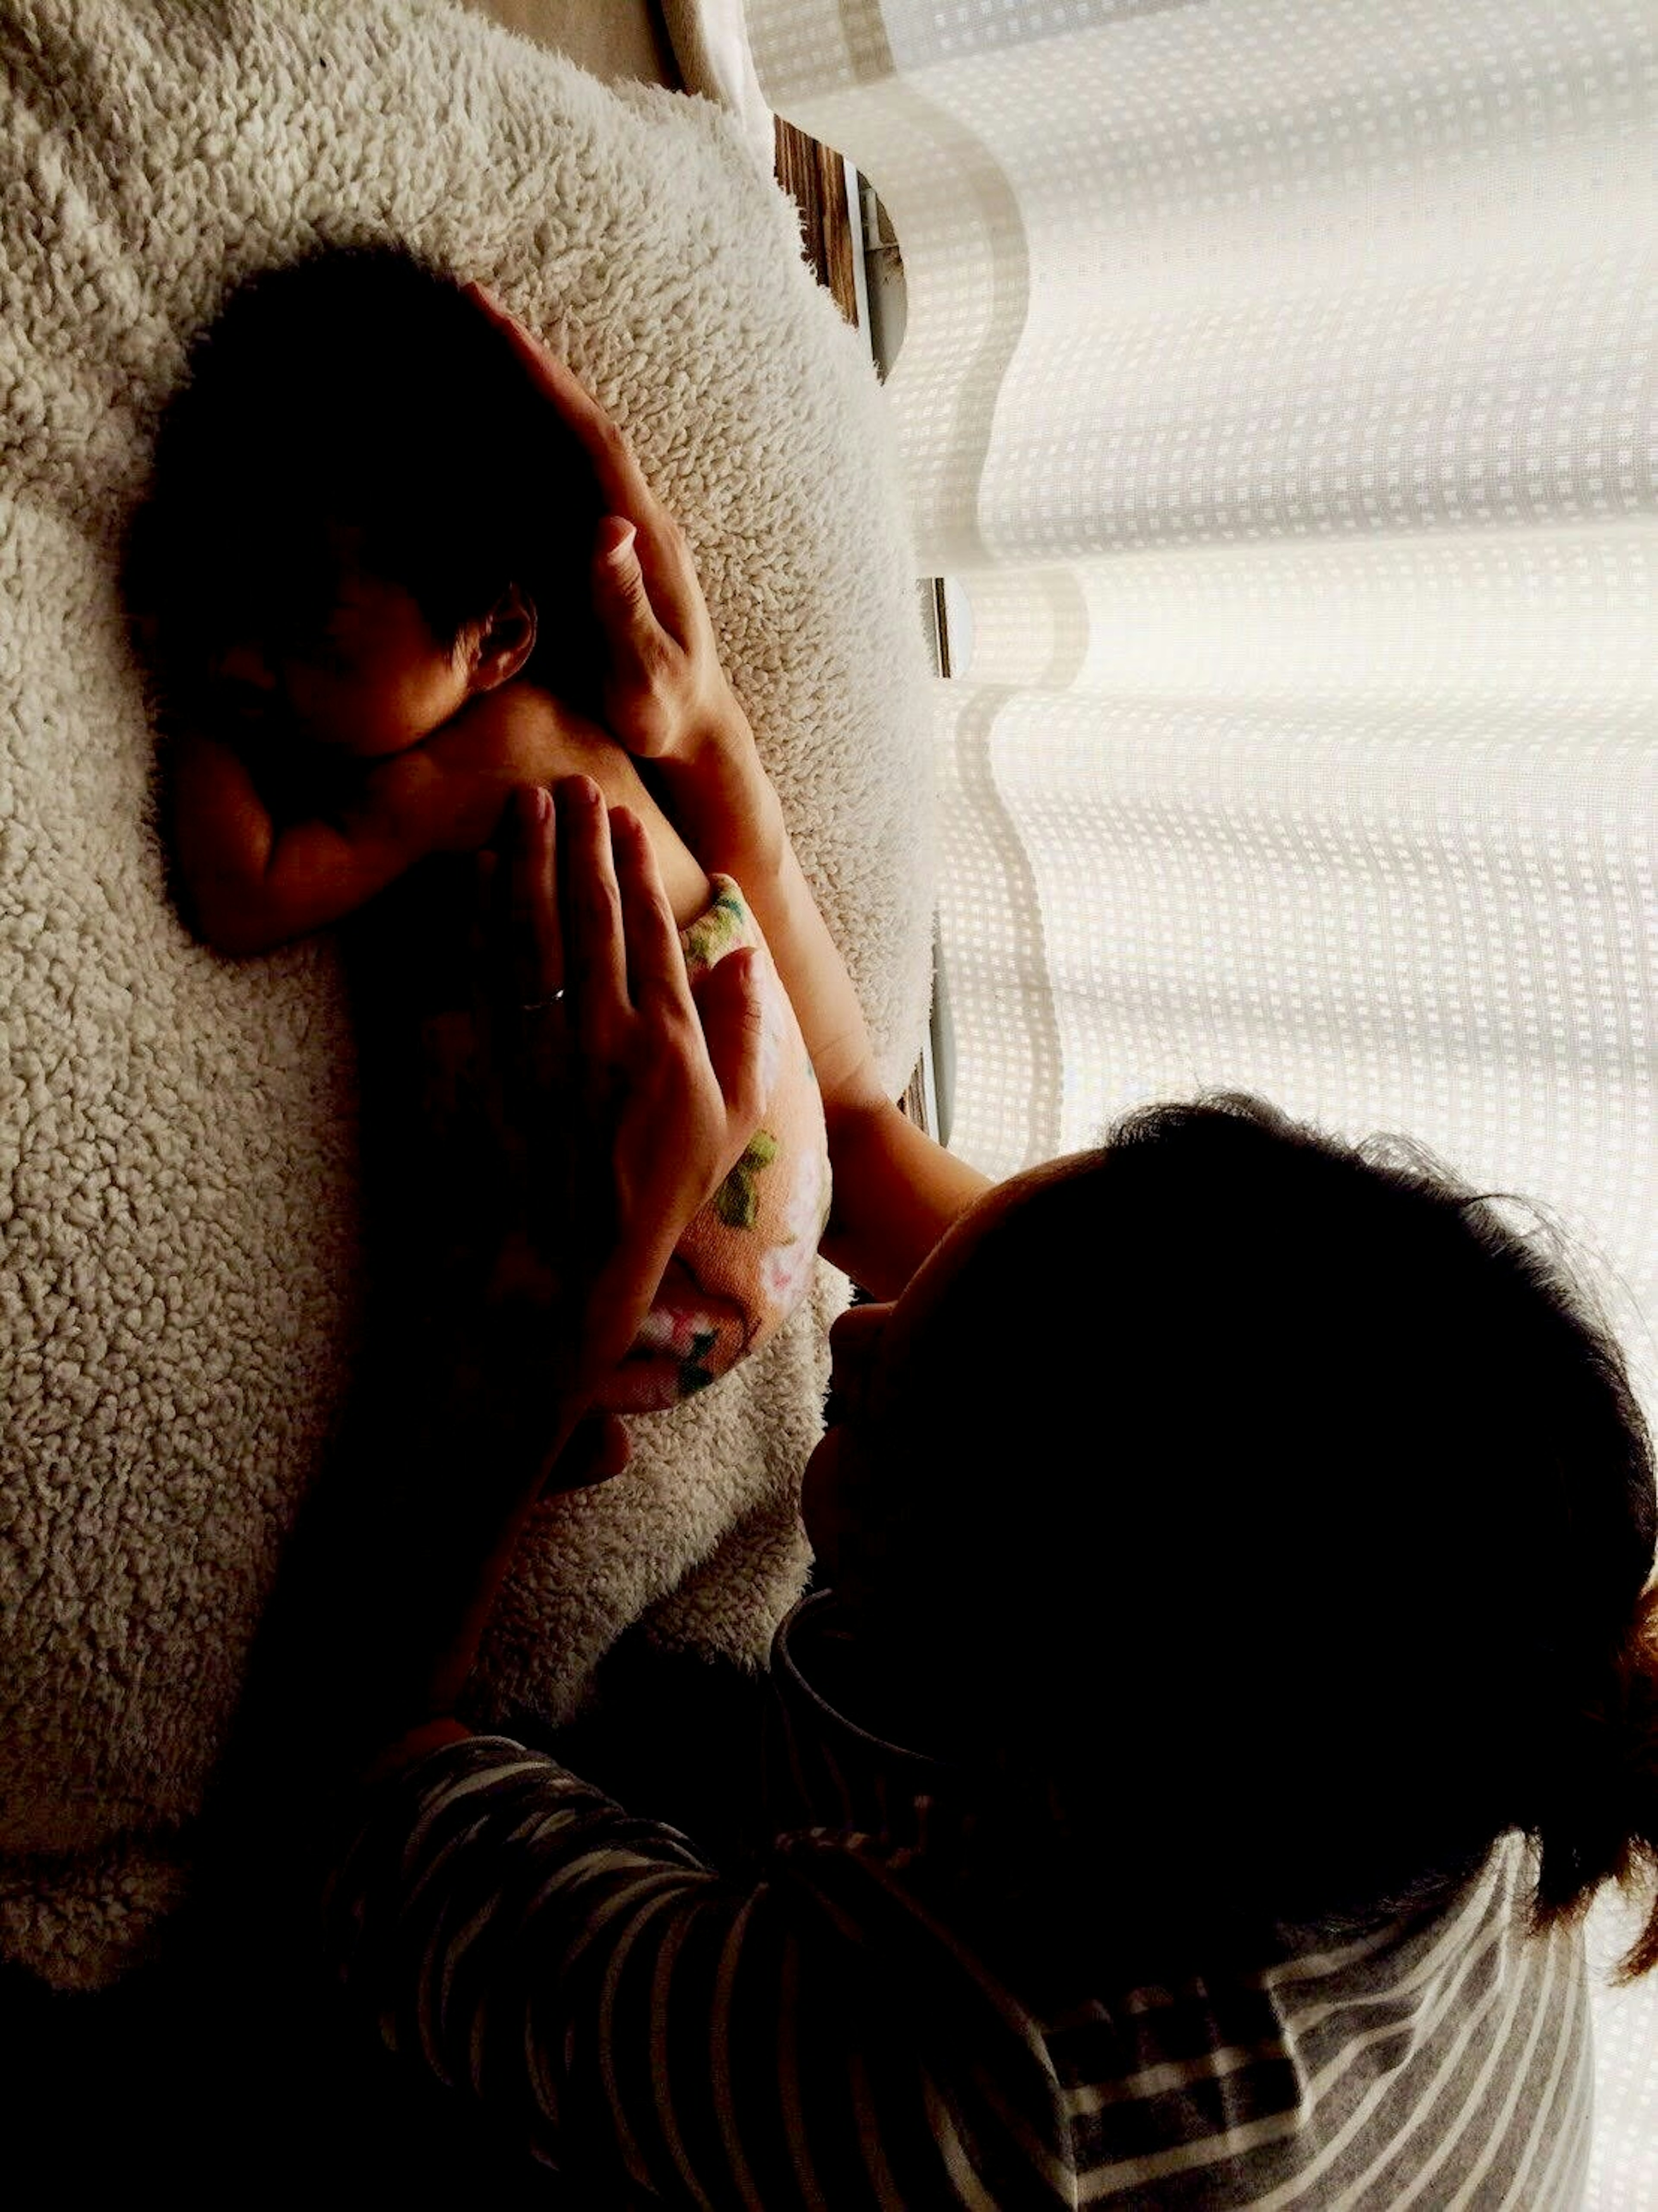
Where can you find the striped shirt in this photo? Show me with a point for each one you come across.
(826, 2036)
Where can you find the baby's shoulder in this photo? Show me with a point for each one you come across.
(509, 709)
(520, 695)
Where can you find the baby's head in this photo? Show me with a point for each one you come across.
(1276, 1512)
(363, 511)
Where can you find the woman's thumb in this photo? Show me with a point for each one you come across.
(633, 641)
(620, 591)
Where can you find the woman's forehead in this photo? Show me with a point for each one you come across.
(946, 1290)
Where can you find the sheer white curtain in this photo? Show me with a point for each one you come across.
(1277, 384)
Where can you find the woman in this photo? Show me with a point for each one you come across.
(1234, 1673)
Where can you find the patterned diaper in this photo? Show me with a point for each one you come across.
(744, 1263)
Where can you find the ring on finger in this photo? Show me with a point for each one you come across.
(540, 1005)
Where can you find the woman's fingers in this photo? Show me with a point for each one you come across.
(620, 477)
(635, 646)
(729, 1004)
(625, 601)
(599, 1447)
(661, 566)
(536, 934)
(656, 960)
(595, 954)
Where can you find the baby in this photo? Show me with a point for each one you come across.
(361, 577)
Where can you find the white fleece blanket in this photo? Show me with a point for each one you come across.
(178, 1281)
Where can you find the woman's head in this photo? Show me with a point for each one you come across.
(361, 510)
(1282, 1493)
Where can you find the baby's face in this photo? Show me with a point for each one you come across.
(367, 676)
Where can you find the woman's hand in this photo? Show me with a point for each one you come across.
(626, 1105)
(667, 697)
(632, 1101)
(666, 694)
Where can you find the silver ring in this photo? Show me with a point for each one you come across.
(540, 1005)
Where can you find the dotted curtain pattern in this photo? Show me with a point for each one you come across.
(1278, 391)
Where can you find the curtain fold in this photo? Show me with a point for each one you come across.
(1277, 387)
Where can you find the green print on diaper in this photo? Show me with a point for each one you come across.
(736, 1202)
(725, 926)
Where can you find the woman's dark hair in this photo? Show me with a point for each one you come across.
(359, 387)
(1289, 1472)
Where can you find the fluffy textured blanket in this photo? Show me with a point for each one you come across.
(180, 1282)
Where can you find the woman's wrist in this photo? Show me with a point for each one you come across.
(722, 802)
(434, 1520)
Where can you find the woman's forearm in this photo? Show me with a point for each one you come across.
(724, 804)
(474, 1455)
(895, 1190)
(399, 1559)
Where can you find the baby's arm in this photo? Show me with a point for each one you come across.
(250, 883)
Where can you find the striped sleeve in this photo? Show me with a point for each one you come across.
(634, 2020)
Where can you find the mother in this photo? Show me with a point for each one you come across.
(1234, 1673)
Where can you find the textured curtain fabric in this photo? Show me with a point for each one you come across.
(1277, 385)
(1278, 389)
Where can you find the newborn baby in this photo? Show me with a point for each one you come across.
(363, 580)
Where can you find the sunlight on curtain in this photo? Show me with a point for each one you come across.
(1278, 382)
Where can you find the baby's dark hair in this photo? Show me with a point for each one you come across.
(1289, 1471)
(359, 387)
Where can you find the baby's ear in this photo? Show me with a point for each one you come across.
(505, 643)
